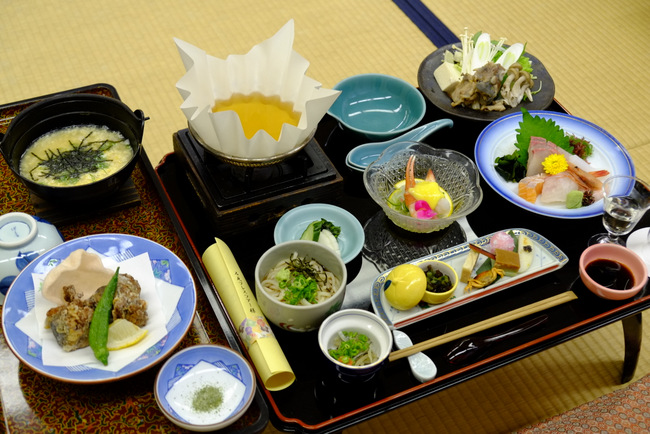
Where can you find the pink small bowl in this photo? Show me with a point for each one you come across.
(619, 254)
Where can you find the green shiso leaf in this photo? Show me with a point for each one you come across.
(536, 126)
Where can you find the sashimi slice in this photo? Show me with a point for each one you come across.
(538, 149)
(575, 160)
(530, 187)
(557, 187)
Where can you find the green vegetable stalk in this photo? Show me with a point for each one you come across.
(312, 233)
(98, 332)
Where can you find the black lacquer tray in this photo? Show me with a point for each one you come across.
(320, 402)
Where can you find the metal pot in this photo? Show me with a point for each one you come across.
(68, 110)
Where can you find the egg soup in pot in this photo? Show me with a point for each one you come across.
(75, 155)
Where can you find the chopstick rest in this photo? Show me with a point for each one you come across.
(484, 325)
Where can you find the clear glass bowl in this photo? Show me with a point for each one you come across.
(456, 173)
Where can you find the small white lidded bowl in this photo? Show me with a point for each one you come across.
(205, 387)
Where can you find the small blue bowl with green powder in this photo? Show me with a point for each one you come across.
(205, 387)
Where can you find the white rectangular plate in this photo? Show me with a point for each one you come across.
(547, 258)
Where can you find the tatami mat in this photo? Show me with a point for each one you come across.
(129, 44)
(596, 53)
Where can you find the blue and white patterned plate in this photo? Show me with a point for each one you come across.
(189, 371)
(165, 265)
(547, 258)
(499, 137)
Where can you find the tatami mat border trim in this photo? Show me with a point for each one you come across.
(427, 22)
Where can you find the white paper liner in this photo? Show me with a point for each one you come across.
(270, 68)
(152, 291)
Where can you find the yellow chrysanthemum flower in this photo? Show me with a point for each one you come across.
(554, 164)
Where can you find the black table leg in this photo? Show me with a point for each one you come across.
(632, 332)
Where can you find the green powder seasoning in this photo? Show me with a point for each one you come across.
(207, 398)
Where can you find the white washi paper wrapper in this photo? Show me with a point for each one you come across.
(153, 291)
(270, 68)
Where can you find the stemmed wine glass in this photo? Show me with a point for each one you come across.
(625, 200)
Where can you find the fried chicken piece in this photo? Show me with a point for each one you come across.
(70, 322)
(127, 303)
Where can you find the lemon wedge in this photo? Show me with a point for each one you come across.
(123, 333)
(397, 195)
(442, 202)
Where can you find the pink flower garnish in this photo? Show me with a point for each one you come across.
(423, 210)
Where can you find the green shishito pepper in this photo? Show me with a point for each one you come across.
(98, 332)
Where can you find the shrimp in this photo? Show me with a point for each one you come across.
(587, 180)
(409, 199)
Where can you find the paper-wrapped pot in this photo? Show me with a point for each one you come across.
(271, 68)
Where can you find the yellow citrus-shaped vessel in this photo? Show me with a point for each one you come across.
(407, 284)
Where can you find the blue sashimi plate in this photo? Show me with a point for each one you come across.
(166, 266)
(294, 222)
(499, 137)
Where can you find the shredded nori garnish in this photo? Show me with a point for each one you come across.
(302, 266)
(68, 165)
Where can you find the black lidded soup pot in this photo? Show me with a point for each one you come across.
(68, 110)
